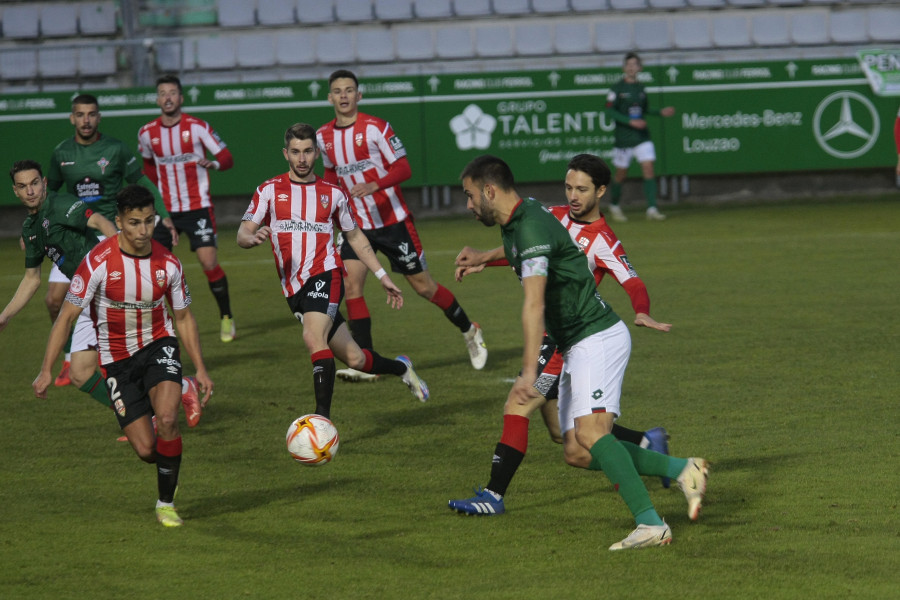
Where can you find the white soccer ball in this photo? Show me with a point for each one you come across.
(312, 440)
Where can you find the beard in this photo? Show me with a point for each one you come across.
(486, 216)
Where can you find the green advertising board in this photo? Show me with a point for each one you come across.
(767, 116)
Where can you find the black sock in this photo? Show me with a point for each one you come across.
(457, 316)
(167, 468)
(219, 289)
(624, 434)
(361, 330)
(323, 385)
(506, 461)
(389, 366)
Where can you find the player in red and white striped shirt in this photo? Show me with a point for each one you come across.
(175, 147)
(127, 280)
(364, 155)
(297, 212)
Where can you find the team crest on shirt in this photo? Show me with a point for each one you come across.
(46, 225)
(161, 278)
(77, 285)
(324, 200)
(102, 163)
(358, 138)
(185, 137)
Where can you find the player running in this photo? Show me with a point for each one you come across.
(127, 280)
(174, 147)
(561, 296)
(586, 182)
(297, 213)
(367, 159)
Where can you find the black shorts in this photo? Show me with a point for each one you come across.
(199, 225)
(399, 243)
(129, 381)
(320, 293)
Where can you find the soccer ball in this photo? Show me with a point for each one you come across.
(312, 440)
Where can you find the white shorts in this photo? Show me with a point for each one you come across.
(643, 152)
(84, 336)
(592, 374)
(56, 276)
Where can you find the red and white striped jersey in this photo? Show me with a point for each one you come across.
(605, 254)
(127, 296)
(183, 183)
(302, 217)
(361, 153)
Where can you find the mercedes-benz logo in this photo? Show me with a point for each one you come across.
(852, 124)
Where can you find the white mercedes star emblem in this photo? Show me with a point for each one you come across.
(855, 124)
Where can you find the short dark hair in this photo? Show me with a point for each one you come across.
(169, 79)
(24, 165)
(299, 131)
(132, 197)
(343, 74)
(85, 99)
(489, 169)
(631, 55)
(592, 165)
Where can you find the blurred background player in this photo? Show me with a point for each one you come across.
(560, 294)
(297, 212)
(93, 167)
(627, 104)
(174, 147)
(364, 155)
(127, 280)
(586, 182)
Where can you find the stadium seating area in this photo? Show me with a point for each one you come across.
(48, 45)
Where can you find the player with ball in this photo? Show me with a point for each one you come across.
(297, 212)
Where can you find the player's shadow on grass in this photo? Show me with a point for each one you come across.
(386, 422)
(496, 356)
(236, 502)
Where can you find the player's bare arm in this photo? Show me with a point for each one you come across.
(102, 224)
(645, 320)
(361, 190)
(363, 249)
(59, 333)
(534, 286)
(189, 335)
(29, 285)
(398, 172)
(470, 261)
(250, 234)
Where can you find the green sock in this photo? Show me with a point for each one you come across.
(648, 462)
(615, 192)
(96, 389)
(650, 191)
(616, 463)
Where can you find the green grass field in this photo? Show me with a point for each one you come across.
(781, 369)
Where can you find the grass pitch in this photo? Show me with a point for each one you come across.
(780, 369)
